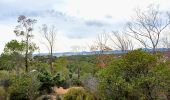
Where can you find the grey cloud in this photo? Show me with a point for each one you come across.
(42, 10)
(96, 23)
(13, 8)
(108, 17)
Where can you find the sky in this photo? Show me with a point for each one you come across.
(78, 22)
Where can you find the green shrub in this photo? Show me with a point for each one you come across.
(76, 82)
(24, 87)
(136, 75)
(78, 93)
(2, 93)
(48, 81)
(18, 96)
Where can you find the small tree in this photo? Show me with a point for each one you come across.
(12, 57)
(166, 43)
(24, 29)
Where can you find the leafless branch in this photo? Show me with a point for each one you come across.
(148, 27)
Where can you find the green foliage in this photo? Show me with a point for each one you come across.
(5, 62)
(59, 81)
(24, 87)
(112, 85)
(12, 58)
(39, 66)
(68, 69)
(11, 61)
(78, 93)
(24, 29)
(48, 81)
(138, 62)
(61, 67)
(2, 93)
(76, 82)
(137, 75)
(14, 46)
(5, 83)
(5, 77)
(87, 68)
(86, 63)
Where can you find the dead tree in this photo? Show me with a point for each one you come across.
(101, 42)
(148, 26)
(100, 47)
(49, 34)
(121, 41)
(166, 43)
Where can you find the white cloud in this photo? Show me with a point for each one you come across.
(6, 34)
(63, 43)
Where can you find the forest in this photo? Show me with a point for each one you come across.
(133, 74)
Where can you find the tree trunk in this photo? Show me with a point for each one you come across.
(51, 60)
(78, 72)
(26, 63)
(26, 54)
(26, 58)
(149, 94)
(154, 50)
(17, 70)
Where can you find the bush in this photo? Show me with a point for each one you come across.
(18, 96)
(76, 82)
(137, 75)
(90, 83)
(78, 93)
(2, 93)
(48, 81)
(24, 87)
(59, 81)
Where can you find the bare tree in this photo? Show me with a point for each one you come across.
(166, 43)
(148, 26)
(121, 41)
(99, 47)
(101, 42)
(49, 34)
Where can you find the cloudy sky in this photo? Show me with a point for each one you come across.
(78, 21)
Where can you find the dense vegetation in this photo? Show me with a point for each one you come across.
(133, 76)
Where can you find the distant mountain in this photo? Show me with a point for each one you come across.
(157, 49)
(96, 52)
